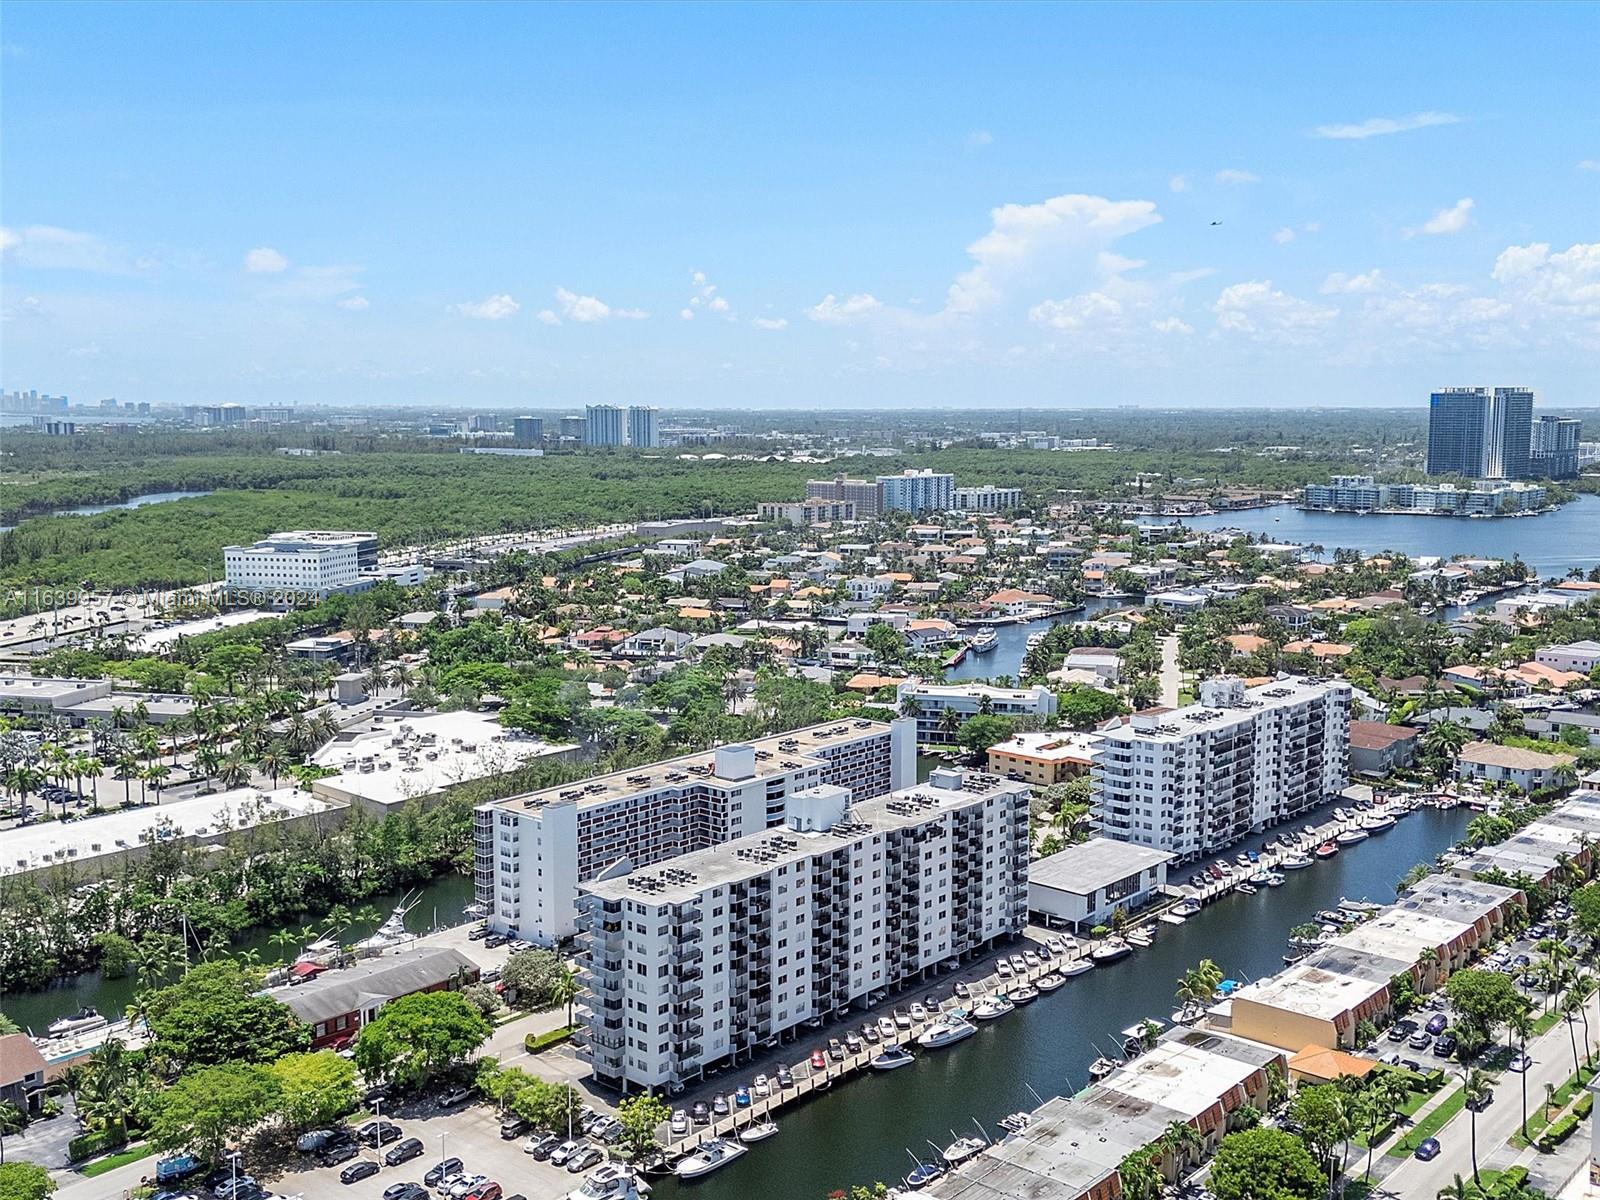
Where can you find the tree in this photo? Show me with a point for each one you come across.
(641, 1116)
(885, 641)
(1477, 1092)
(565, 990)
(1520, 1023)
(1264, 1164)
(1139, 1176)
(980, 732)
(25, 1181)
(419, 1036)
(206, 1109)
(314, 1089)
(214, 1015)
(532, 978)
(1482, 1000)
(12, 1119)
(1083, 707)
(1324, 1118)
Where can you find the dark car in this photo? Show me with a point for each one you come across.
(1401, 1030)
(541, 1147)
(1445, 1045)
(512, 1127)
(439, 1172)
(404, 1152)
(358, 1171)
(1480, 1105)
(339, 1152)
(1428, 1149)
(404, 1191)
(1437, 1024)
(701, 1113)
(378, 1133)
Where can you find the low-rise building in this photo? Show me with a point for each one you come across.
(967, 700)
(1104, 662)
(1581, 657)
(1530, 770)
(337, 1004)
(22, 1070)
(1043, 759)
(704, 958)
(306, 563)
(806, 512)
(1377, 748)
(1568, 833)
(1083, 885)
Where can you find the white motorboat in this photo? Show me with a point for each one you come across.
(1350, 837)
(608, 1182)
(986, 641)
(1050, 982)
(1188, 1014)
(1078, 966)
(1245, 889)
(1101, 1067)
(1111, 950)
(1035, 640)
(924, 1174)
(893, 1059)
(992, 1008)
(1026, 994)
(85, 1019)
(1295, 862)
(946, 1032)
(1186, 908)
(1377, 822)
(1275, 879)
(1172, 919)
(759, 1132)
(1141, 938)
(718, 1152)
(393, 931)
(958, 1151)
(1016, 1122)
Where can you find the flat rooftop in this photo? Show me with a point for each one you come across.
(41, 689)
(1194, 718)
(774, 756)
(31, 847)
(681, 879)
(163, 636)
(1058, 746)
(1093, 864)
(1326, 985)
(395, 757)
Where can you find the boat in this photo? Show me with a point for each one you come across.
(924, 1174)
(1111, 950)
(1295, 862)
(1350, 837)
(946, 1032)
(1274, 878)
(85, 1019)
(1377, 822)
(1035, 640)
(1141, 938)
(609, 1182)
(986, 641)
(1078, 966)
(1186, 908)
(1026, 994)
(1246, 889)
(993, 1007)
(1101, 1067)
(1260, 878)
(1050, 982)
(1015, 1122)
(892, 1059)
(958, 1151)
(718, 1152)
(759, 1132)
(1294, 956)
(1188, 1014)
(1172, 919)
(393, 931)
(1327, 850)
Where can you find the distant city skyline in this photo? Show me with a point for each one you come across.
(777, 207)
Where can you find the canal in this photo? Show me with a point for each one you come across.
(1006, 658)
(862, 1131)
(442, 902)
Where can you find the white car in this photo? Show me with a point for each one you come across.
(566, 1150)
(762, 1086)
(680, 1123)
(1520, 1063)
(466, 1185)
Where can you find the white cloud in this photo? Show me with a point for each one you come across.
(1564, 284)
(770, 322)
(1447, 220)
(1312, 227)
(1171, 325)
(1382, 126)
(831, 310)
(686, 314)
(51, 248)
(718, 305)
(1078, 313)
(264, 260)
(1589, 164)
(1284, 236)
(1340, 284)
(1179, 183)
(1234, 175)
(548, 316)
(588, 310)
(1112, 263)
(1025, 238)
(979, 138)
(355, 303)
(491, 308)
(1258, 310)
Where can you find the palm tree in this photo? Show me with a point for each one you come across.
(1520, 1022)
(234, 771)
(950, 724)
(1183, 1141)
(1477, 1092)
(1456, 1190)
(24, 779)
(274, 761)
(1139, 1177)
(564, 990)
(12, 1119)
(1571, 1006)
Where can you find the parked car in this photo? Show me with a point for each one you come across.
(541, 1146)
(1519, 1062)
(403, 1152)
(785, 1077)
(1437, 1024)
(465, 1186)
(447, 1168)
(1420, 1040)
(585, 1158)
(405, 1191)
(560, 1155)
(317, 1139)
(608, 1130)
(701, 1113)
(679, 1124)
(378, 1133)
(819, 1061)
(489, 1191)
(358, 1171)
(513, 1127)
(1428, 1149)
(230, 1185)
(456, 1098)
(339, 1152)
(1445, 1045)
(1401, 1030)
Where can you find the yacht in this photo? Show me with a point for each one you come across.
(759, 1132)
(1035, 640)
(608, 1182)
(1377, 822)
(892, 1059)
(958, 1151)
(992, 1007)
(986, 641)
(1111, 950)
(1050, 982)
(1101, 1067)
(923, 1175)
(946, 1031)
(1245, 889)
(718, 1152)
(1295, 862)
(1351, 836)
(1078, 966)
(1327, 850)
(85, 1019)
(1026, 994)
(1015, 1122)
(1142, 938)
(1186, 908)
(393, 931)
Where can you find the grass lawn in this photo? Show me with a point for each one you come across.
(1546, 1023)
(120, 1159)
(1430, 1124)
(1539, 1118)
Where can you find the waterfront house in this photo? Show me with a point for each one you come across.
(1377, 748)
(1081, 886)
(22, 1070)
(338, 1003)
(1044, 758)
(1530, 770)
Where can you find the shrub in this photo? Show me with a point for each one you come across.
(1584, 1106)
(1558, 1132)
(87, 1145)
(536, 1042)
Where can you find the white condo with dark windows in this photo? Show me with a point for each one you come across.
(313, 562)
(1194, 780)
(708, 956)
(532, 851)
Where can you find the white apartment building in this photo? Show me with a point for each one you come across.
(532, 851)
(308, 561)
(1196, 779)
(967, 700)
(704, 959)
(987, 498)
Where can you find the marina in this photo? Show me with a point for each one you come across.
(863, 1129)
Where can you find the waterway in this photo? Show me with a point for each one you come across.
(90, 510)
(442, 902)
(1551, 543)
(863, 1129)
(1006, 658)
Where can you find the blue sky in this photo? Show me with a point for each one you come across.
(787, 205)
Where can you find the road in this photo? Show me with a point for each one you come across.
(1552, 1063)
(1171, 674)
